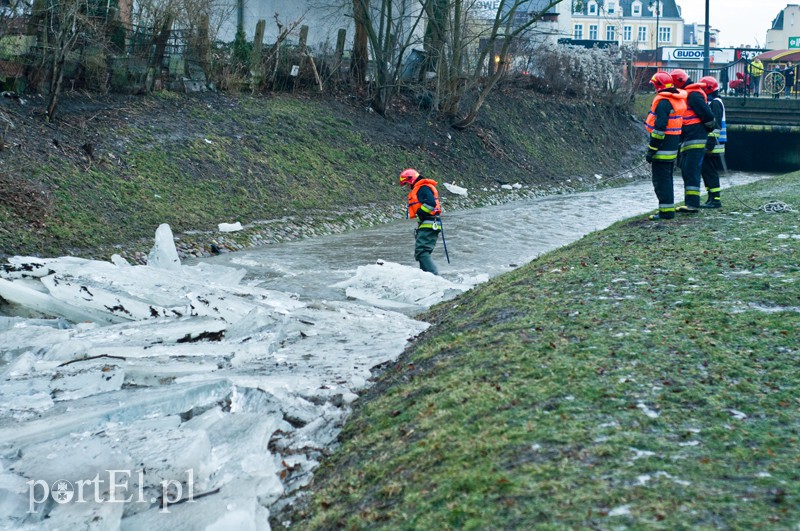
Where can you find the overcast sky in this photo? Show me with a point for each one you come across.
(738, 21)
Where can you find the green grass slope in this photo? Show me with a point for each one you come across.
(110, 170)
(644, 377)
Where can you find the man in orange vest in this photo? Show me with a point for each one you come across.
(664, 123)
(698, 122)
(423, 204)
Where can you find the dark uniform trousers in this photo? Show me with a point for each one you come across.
(662, 184)
(712, 165)
(691, 167)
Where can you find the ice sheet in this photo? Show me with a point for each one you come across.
(184, 376)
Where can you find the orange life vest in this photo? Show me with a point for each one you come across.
(414, 203)
(690, 117)
(675, 124)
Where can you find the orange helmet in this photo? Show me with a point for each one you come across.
(661, 81)
(679, 77)
(711, 84)
(408, 176)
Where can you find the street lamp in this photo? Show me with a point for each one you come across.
(658, 15)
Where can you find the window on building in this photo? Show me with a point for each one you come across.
(577, 32)
(611, 33)
(592, 7)
(611, 6)
(627, 33)
(664, 34)
(642, 35)
(636, 9)
(593, 32)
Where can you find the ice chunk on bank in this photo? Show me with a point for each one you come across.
(163, 255)
(229, 227)
(395, 286)
(454, 189)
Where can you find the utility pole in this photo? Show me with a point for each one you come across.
(707, 45)
(657, 3)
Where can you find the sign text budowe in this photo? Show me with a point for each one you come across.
(695, 54)
(794, 42)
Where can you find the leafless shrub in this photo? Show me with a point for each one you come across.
(591, 74)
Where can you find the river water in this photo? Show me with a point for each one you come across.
(480, 242)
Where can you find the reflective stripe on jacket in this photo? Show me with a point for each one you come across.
(414, 203)
(721, 132)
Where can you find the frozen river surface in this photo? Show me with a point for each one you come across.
(199, 395)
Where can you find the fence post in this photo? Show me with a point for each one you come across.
(256, 66)
(337, 58)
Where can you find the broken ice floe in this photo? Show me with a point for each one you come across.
(182, 383)
(394, 286)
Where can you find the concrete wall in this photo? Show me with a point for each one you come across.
(323, 22)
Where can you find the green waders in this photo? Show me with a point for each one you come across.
(423, 247)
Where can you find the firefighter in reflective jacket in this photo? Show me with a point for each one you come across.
(664, 123)
(698, 121)
(423, 204)
(715, 145)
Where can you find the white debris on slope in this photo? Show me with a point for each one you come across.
(455, 189)
(165, 383)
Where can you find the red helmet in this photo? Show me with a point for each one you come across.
(679, 77)
(408, 176)
(711, 84)
(661, 81)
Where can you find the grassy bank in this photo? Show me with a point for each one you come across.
(645, 376)
(113, 168)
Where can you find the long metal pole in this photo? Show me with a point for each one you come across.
(707, 44)
(658, 15)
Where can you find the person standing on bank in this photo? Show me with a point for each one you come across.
(755, 69)
(715, 145)
(664, 123)
(698, 121)
(789, 74)
(776, 71)
(423, 204)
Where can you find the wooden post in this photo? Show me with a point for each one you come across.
(304, 50)
(203, 42)
(256, 65)
(337, 58)
(303, 36)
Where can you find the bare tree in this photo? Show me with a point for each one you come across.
(65, 21)
(506, 30)
(391, 29)
(11, 12)
(359, 59)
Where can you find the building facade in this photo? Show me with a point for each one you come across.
(695, 33)
(637, 24)
(785, 31)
